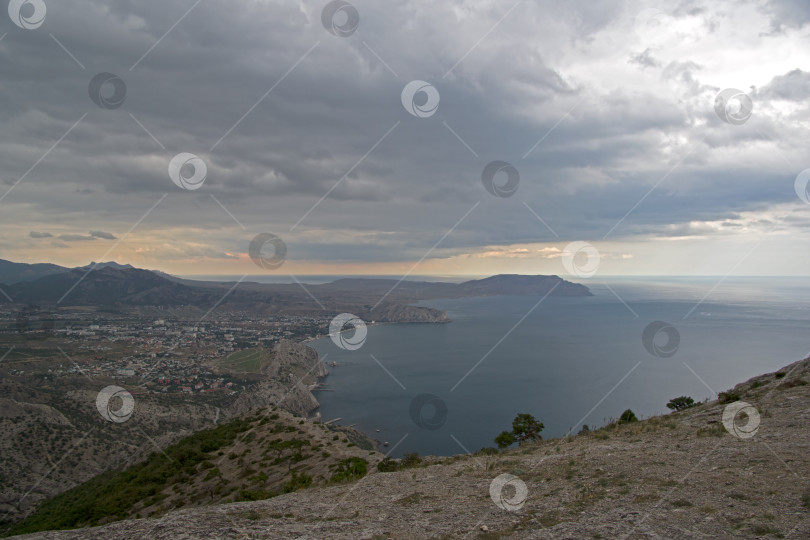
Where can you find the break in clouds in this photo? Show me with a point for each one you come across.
(606, 113)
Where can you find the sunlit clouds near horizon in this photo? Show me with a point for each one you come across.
(600, 121)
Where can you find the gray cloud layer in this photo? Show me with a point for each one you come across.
(618, 111)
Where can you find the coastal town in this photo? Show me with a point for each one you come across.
(170, 355)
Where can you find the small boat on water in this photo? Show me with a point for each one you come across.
(385, 443)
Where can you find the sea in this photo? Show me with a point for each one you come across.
(444, 389)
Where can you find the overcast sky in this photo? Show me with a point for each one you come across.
(604, 110)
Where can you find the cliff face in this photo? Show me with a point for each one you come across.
(292, 368)
(682, 475)
(402, 313)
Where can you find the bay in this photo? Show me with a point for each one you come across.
(565, 360)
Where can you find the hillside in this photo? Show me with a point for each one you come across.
(59, 422)
(254, 457)
(11, 272)
(681, 475)
(110, 285)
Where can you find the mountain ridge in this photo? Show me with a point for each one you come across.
(111, 284)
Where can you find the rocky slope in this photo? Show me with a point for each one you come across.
(253, 457)
(54, 437)
(292, 369)
(685, 475)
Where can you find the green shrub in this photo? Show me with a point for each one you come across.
(213, 473)
(387, 465)
(524, 428)
(505, 439)
(297, 481)
(728, 397)
(680, 403)
(411, 459)
(350, 469)
(628, 417)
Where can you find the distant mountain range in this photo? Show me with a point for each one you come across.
(11, 272)
(114, 285)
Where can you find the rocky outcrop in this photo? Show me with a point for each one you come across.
(292, 369)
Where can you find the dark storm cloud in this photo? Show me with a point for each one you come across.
(604, 144)
(75, 237)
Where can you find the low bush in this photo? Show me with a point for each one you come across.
(387, 465)
(728, 397)
(350, 469)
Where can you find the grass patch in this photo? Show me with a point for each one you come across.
(246, 361)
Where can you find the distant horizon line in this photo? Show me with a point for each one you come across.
(479, 276)
(294, 275)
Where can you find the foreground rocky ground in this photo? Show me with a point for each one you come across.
(678, 476)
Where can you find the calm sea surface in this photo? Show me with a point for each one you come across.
(567, 361)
